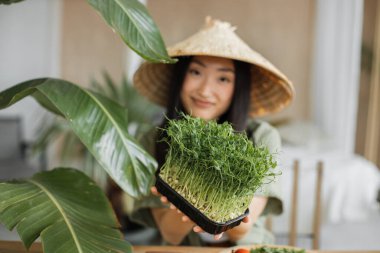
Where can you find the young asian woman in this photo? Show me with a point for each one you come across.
(217, 77)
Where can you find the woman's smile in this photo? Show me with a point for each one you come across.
(202, 103)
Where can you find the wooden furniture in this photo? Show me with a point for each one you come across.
(294, 206)
(315, 234)
(17, 247)
(171, 249)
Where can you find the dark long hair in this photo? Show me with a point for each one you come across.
(236, 114)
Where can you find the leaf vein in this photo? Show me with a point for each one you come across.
(60, 208)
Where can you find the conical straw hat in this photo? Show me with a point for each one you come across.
(271, 91)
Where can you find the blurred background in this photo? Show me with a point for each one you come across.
(329, 49)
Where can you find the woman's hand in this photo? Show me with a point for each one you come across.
(184, 218)
(256, 207)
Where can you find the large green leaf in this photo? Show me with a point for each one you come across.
(65, 208)
(131, 20)
(9, 1)
(101, 125)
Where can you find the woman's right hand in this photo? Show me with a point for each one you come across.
(184, 217)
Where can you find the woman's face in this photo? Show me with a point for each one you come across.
(208, 87)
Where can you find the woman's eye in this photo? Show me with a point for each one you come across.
(224, 79)
(194, 72)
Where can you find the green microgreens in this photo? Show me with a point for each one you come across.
(214, 168)
(276, 250)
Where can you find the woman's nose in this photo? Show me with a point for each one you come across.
(205, 88)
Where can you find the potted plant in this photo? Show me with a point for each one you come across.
(63, 207)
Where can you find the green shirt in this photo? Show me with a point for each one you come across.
(262, 134)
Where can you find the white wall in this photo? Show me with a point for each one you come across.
(29, 48)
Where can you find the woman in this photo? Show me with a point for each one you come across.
(217, 77)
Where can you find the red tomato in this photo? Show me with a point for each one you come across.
(241, 251)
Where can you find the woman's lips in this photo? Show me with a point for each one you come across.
(202, 103)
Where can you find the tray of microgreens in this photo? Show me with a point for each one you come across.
(211, 172)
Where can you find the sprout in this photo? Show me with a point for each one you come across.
(214, 168)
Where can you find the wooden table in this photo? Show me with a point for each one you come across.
(167, 249)
(17, 247)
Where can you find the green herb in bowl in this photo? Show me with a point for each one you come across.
(265, 249)
(276, 250)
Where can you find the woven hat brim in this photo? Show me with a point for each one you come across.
(269, 93)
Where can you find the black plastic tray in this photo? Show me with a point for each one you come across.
(193, 213)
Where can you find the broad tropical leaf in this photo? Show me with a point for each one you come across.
(65, 208)
(140, 110)
(101, 125)
(9, 1)
(131, 20)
